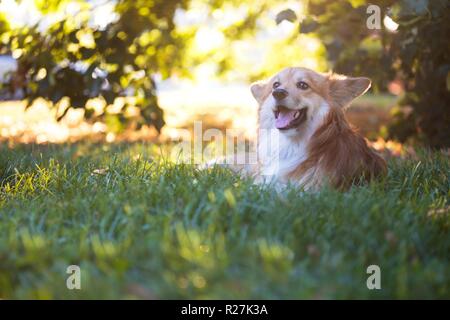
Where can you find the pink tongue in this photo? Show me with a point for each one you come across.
(284, 118)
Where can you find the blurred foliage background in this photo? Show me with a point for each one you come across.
(119, 51)
(415, 52)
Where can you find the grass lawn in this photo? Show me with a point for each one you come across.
(143, 228)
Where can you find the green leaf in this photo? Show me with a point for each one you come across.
(406, 10)
(357, 3)
(308, 25)
(48, 6)
(113, 123)
(287, 14)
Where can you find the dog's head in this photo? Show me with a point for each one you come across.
(296, 99)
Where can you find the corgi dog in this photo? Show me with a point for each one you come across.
(315, 144)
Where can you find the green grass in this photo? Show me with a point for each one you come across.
(146, 228)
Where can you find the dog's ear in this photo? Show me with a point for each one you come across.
(259, 90)
(343, 90)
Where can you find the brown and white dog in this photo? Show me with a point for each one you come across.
(316, 145)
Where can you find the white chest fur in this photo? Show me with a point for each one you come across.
(278, 155)
(280, 152)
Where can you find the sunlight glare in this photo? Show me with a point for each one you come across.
(390, 24)
(207, 39)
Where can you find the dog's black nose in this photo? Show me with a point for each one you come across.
(279, 94)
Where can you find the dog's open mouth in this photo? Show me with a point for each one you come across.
(288, 118)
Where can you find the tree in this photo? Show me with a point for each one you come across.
(76, 59)
(423, 48)
(73, 60)
(418, 53)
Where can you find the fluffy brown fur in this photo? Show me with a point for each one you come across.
(340, 154)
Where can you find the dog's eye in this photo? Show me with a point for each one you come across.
(276, 84)
(302, 85)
